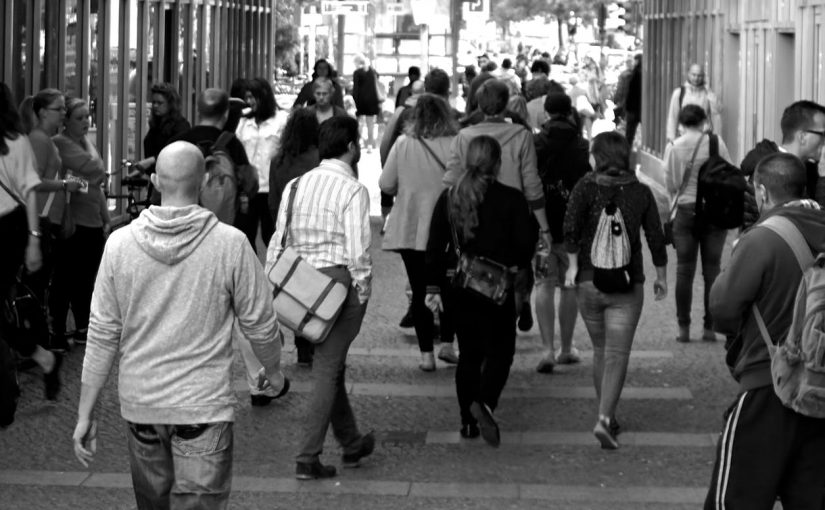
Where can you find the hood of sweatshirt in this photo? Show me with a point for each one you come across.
(807, 217)
(753, 157)
(502, 130)
(170, 234)
(557, 134)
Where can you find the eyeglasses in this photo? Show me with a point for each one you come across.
(820, 133)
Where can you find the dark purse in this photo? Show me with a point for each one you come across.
(483, 276)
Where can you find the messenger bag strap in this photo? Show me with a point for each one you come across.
(314, 308)
(13, 195)
(685, 178)
(290, 202)
(789, 233)
(222, 141)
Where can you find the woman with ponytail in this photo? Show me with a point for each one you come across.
(486, 219)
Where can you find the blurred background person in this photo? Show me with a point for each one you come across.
(365, 93)
(323, 70)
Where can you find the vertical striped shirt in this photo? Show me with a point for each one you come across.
(330, 223)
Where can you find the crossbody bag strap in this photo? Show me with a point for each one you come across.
(685, 178)
(290, 202)
(433, 154)
(8, 190)
(792, 236)
(453, 232)
(222, 141)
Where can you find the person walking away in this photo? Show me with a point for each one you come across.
(764, 275)
(298, 155)
(194, 276)
(365, 95)
(692, 236)
(696, 91)
(480, 217)
(74, 272)
(633, 102)
(413, 75)
(335, 239)
(260, 134)
(414, 172)
(563, 159)
(20, 231)
(611, 312)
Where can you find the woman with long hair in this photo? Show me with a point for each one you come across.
(322, 70)
(413, 173)
(53, 194)
(489, 220)
(692, 236)
(20, 229)
(76, 269)
(165, 124)
(612, 314)
(297, 155)
(260, 132)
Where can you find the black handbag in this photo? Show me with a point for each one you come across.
(481, 275)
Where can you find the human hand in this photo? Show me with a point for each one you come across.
(34, 257)
(570, 277)
(107, 229)
(547, 239)
(85, 440)
(433, 302)
(821, 167)
(660, 289)
(71, 186)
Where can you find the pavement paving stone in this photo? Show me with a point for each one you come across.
(109, 480)
(68, 478)
(584, 439)
(464, 490)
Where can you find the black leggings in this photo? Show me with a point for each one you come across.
(15, 236)
(422, 316)
(76, 261)
(258, 212)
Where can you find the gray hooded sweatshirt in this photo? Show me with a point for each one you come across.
(167, 292)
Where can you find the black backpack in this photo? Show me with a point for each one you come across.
(720, 193)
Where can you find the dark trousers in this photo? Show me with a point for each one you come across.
(76, 261)
(767, 450)
(487, 340)
(258, 213)
(633, 119)
(329, 402)
(15, 236)
(422, 316)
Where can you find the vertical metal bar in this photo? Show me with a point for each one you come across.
(104, 41)
(141, 72)
(159, 61)
(200, 74)
(62, 22)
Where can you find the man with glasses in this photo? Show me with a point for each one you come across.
(803, 135)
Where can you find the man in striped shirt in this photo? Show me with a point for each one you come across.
(330, 229)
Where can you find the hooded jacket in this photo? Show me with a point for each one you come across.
(563, 158)
(763, 271)
(518, 158)
(169, 288)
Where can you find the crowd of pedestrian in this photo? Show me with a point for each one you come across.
(525, 190)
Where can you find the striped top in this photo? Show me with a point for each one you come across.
(330, 223)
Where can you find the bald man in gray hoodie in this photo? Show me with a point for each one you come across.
(169, 287)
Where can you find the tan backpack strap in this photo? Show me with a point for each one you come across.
(763, 329)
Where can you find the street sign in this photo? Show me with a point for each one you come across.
(346, 7)
(398, 9)
(475, 6)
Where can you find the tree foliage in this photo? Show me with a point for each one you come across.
(504, 11)
(286, 29)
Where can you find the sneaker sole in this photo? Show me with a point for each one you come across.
(487, 425)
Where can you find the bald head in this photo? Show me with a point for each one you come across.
(180, 171)
(213, 106)
(696, 75)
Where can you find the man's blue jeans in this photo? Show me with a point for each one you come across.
(611, 321)
(690, 239)
(181, 466)
(329, 403)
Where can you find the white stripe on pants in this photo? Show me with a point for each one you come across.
(726, 452)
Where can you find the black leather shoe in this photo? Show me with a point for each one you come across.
(487, 424)
(52, 379)
(407, 320)
(353, 460)
(264, 400)
(314, 471)
(469, 431)
(525, 317)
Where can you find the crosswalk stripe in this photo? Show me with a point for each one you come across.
(666, 439)
(510, 392)
(410, 489)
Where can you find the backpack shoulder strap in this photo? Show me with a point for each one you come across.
(713, 150)
(797, 243)
(681, 95)
(222, 141)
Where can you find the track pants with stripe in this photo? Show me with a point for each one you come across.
(766, 451)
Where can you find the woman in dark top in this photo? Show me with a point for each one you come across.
(323, 69)
(490, 220)
(365, 95)
(165, 123)
(611, 319)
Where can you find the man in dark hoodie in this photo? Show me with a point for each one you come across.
(803, 135)
(766, 449)
(563, 158)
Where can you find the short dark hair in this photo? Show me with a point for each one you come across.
(493, 96)
(335, 134)
(213, 103)
(540, 66)
(506, 63)
(437, 82)
(692, 116)
(799, 115)
(414, 71)
(322, 82)
(261, 90)
(490, 67)
(783, 175)
(610, 151)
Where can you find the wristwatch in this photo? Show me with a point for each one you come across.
(36, 233)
